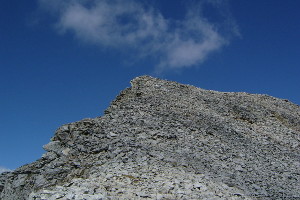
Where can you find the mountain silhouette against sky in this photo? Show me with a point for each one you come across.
(165, 140)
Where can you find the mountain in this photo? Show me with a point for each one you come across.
(164, 140)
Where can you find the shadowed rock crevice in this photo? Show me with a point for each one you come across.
(164, 140)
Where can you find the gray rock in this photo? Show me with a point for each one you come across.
(164, 140)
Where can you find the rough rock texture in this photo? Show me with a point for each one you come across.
(164, 140)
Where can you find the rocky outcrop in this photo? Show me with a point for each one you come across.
(164, 140)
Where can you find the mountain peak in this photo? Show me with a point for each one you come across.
(165, 140)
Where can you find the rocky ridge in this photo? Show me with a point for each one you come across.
(164, 140)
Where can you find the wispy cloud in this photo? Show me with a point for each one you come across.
(3, 169)
(133, 26)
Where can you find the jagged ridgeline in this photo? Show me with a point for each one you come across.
(164, 140)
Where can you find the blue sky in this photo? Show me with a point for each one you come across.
(65, 60)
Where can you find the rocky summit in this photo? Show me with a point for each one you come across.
(164, 140)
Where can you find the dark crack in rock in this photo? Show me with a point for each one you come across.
(164, 140)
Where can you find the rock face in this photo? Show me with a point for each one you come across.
(164, 140)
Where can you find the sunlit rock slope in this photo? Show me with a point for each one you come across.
(164, 140)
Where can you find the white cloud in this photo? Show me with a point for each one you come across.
(131, 25)
(110, 24)
(3, 169)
